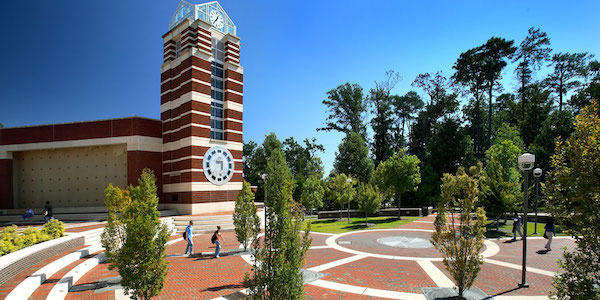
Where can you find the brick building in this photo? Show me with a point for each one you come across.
(195, 149)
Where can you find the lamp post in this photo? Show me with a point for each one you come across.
(526, 162)
(349, 182)
(537, 172)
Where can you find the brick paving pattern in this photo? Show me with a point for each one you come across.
(208, 278)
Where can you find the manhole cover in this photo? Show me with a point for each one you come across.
(404, 242)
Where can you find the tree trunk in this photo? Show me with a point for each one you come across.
(478, 121)
(523, 86)
(498, 223)
(560, 95)
(341, 208)
(399, 215)
(366, 219)
(489, 135)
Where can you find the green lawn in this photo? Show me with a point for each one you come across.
(341, 225)
(506, 229)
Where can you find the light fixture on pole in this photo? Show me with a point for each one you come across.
(526, 162)
(349, 182)
(537, 173)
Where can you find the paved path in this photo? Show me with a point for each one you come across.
(370, 264)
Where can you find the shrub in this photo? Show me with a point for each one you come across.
(28, 237)
(11, 241)
(54, 228)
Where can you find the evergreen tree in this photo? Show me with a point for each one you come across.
(532, 52)
(347, 110)
(134, 238)
(495, 52)
(457, 236)
(567, 67)
(573, 192)
(277, 270)
(353, 159)
(470, 75)
(245, 219)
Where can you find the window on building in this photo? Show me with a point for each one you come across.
(216, 107)
(177, 48)
(218, 49)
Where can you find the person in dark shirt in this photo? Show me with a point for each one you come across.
(47, 211)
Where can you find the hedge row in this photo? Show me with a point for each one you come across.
(11, 240)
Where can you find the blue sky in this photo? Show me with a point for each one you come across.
(66, 61)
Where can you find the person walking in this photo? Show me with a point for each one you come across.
(217, 239)
(517, 227)
(47, 212)
(549, 233)
(189, 236)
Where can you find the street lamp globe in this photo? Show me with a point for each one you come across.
(526, 161)
(263, 176)
(537, 172)
(349, 180)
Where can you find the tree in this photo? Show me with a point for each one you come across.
(250, 151)
(347, 110)
(532, 52)
(567, 66)
(495, 52)
(590, 89)
(405, 108)
(573, 192)
(382, 123)
(369, 200)
(559, 124)
(134, 238)
(312, 193)
(277, 270)
(341, 191)
(449, 147)
(536, 113)
(398, 175)
(353, 159)
(460, 245)
(500, 181)
(245, 219)
(470, 75)
(256, 161)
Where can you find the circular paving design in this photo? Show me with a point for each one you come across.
(404, 242)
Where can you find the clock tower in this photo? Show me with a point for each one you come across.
(201, 110)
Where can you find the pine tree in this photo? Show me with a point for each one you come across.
(134, 238)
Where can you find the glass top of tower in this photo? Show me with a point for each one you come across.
(211, 12)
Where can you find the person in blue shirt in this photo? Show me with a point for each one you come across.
(190, 239)
(550, 232)
(28, 214)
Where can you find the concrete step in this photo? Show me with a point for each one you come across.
(39, 219)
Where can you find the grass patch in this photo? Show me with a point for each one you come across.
(506, 229)
(341, 225)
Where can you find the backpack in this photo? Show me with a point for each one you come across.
(185, 235)
(213, 238)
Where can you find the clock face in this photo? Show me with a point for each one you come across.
(218, 165)
(216, 19)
